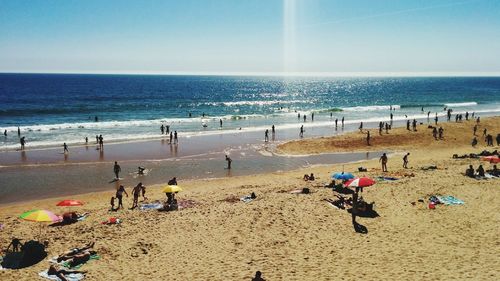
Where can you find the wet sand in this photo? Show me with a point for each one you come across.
(298, 237)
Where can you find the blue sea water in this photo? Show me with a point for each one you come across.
(54, 108)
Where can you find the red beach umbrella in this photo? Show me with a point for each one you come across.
(70, 203)
(359, 182)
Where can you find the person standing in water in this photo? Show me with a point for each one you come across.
(5, 133)
(266, 135)
(171, 136)
(101, 142)
(228, 160)
(167, 129)
(176, 140)
(312, 116)
(336, 123)
(117, 169)
(65, 146)
(405, 160)
(273, 131)
(86, 140)
(18, 131)
(361, 127)
(301, 133)
(162, 129)
(220, 122)
(23, 142)
(342, 122)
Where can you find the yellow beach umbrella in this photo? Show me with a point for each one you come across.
(171, 189)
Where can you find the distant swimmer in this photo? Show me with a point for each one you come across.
(167, 129)
(266, 135)
(117, 169)
(18, 131)
(304, 118)
(392, 116)
(23, 142)
(228, 160)
(298, 116)
(331, 115)
(312, 116)
(428, 115)
(203, 114)
(96, 119)
(5, 133)
(422, 109)
(65, 146)
(190, 115)
(140, 170)
(301, 134)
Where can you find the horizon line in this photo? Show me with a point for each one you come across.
(271, 74)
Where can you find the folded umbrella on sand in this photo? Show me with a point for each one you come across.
(359, 182)
(171, 189)
(491, 159)
(342, 176)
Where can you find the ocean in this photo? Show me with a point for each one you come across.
(51, 109)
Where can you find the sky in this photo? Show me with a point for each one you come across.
(250, 36)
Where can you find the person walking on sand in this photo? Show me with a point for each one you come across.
(489, 140)
(119, 196)
(485, 132)
(65, 146)
(475, 130)
(117, 169)
(266, 135)
(440, 132)
(434, 133)
(136, 191)
(23, 142)
(368, 138)
(414, 125)
(301, 134)
(383, 159)
(228, 160)
(408, 125)
(405, 160)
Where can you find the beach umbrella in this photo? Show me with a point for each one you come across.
(342, 176)
(70, 203)
(40, 216)
(491, 159)
(172, 189)
(359, 182)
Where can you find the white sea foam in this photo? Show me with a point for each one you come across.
(460, 104)
(370, 108)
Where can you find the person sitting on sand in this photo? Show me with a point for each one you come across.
(470, 172)
(480, 171)
(173, 181)
(61, 273)
(258, 276)
(306, 177)
(494, 172)
(311, 177)
(71, 217)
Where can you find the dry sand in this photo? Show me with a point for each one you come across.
(297, 237)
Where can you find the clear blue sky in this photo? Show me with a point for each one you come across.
(229, 36)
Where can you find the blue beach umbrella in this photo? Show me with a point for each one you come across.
(343, 176)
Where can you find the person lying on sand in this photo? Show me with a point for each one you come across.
(77, 259)
(72, 217)
(494, 172)
(69, 254)
(60, 273)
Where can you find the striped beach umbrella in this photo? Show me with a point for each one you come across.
(40, 216)
(359, 182)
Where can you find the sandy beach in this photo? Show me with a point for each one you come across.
(297, 236)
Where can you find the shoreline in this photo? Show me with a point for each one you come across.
(291, 236)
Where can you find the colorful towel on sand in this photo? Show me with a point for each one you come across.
(67, 264)
(151, 206)
(449, 200)
(70, 277)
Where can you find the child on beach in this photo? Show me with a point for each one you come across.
(112, 202)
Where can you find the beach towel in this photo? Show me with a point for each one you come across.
(151, 206)
(83, 217)
(449, 200)
(387, 179)
(246, 199)
(67, 264)
(70, 277)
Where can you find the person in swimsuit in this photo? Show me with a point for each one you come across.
(61, 273)
(119, 195)
(136, 191)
